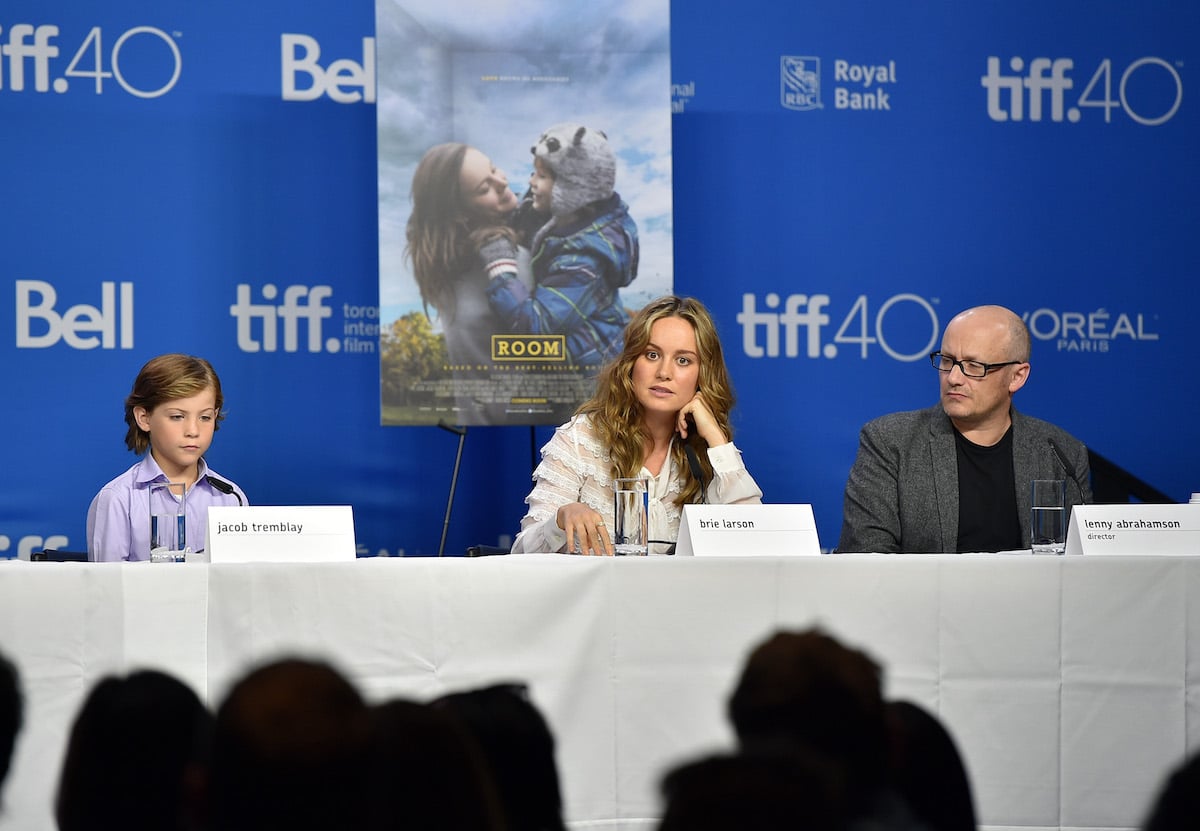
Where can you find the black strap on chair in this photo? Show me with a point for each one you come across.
(58, 555)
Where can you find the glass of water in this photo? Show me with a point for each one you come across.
(1048, 527)
(630, 520)
(168, 522)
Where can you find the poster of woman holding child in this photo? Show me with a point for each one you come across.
(524, 202)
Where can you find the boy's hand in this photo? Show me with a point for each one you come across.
(497, 248)
(499, 256)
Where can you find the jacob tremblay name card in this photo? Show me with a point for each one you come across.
(1135, 529)
(747, 531)
(280, 533)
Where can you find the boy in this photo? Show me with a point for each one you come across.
(580, 258)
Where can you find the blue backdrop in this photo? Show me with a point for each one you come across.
(847, 177)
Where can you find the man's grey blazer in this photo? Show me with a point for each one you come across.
(902, 494)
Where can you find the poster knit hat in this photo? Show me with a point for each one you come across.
(583, 164)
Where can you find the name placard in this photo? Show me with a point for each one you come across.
(280, 533)
(747, 531)
(1135, 529)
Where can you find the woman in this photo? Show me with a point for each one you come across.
(459, 198)
(668, 388)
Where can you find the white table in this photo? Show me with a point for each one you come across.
(1071, 684)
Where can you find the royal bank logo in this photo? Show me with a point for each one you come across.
(857, 86)
(800, 82)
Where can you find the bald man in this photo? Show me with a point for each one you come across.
(956, 477)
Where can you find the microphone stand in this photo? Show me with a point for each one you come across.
(461, 432)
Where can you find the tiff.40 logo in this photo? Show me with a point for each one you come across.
(1149, 90)
(98, 57)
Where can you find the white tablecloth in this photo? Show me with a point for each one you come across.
(1072, 685)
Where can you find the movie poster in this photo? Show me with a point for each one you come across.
(504, 283)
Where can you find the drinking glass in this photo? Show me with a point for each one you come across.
(168, 522)
(1048, 525)
(630, 510)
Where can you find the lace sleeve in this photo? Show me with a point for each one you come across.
(732, 484)
(574, 468)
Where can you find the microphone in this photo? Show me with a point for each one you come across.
(697, 471)
(224, 487)
(1067, 468)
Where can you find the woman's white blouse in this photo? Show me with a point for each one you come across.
(576, 468)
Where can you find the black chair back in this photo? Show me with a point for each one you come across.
(58, 555)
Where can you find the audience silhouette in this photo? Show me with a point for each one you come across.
(754, 791)
(428, 772)
(294, 746)
(1177, 806)
(519, 749)
(806, 690)
(927, 770)
(11, 713)
(134, 756)
(289, 746)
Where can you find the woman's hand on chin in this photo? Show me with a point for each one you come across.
(706, 424)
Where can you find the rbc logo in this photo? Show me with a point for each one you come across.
(800, 82)
(341, 81)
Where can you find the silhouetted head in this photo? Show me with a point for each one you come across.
(427, 772)
(135, 745)
(289, 750)
(11, 713)
(807, 690)
(927, 770)
(1177, 806)
(754, 792)
(519, 748)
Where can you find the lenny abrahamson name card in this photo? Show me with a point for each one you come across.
(280, 533)
(1135, 529)
(747, 531)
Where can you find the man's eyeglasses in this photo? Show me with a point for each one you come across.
(971, 369)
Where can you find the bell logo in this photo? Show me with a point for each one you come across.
(344, 80)
(36, 300)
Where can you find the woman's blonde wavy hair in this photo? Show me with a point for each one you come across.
(619, 418)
